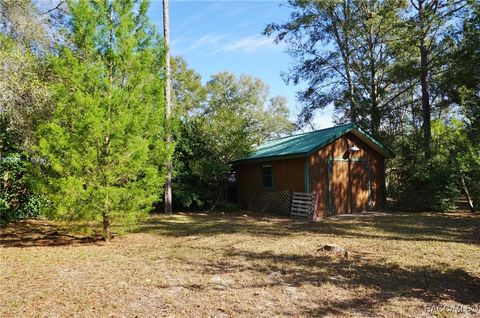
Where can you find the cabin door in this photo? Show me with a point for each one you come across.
(348, 183)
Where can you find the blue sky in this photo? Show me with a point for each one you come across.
(216, 36)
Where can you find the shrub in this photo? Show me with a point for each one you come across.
(17, 200)
(421, 185)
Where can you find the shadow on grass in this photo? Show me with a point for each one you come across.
(191, 224)
(441, 227)
(375, 280)
(31, 233)
(388, 281)
(383, 281)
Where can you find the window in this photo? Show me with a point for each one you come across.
(267, 177)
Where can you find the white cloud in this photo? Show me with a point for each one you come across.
(209, 40)
(248, 44)
(214, 43)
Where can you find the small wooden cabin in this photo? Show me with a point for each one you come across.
(343, 165)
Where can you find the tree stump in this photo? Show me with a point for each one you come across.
(333, 248)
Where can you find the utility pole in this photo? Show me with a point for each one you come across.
(168, 126)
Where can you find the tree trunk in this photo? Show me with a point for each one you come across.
(353, 108)
(375, 111)
(464, 184)
(467, 193)
(106, 141)
(342, 39)
(348, 71)
(426, 109)
(106, 226)
(168, 132)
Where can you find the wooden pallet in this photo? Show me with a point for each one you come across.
(303, 205)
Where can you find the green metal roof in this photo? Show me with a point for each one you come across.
(307, 143)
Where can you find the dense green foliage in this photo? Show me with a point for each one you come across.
(103, 145)
(83, 92)
(419, 184)
(344, 51)
(23, 92)
(437, 183)
(463, 87)
(82, 110)
(17, 198)
(235, 114)
(24, 102)
(407, 72)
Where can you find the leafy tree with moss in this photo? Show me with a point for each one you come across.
(104, 144)
(461, 85)
(346, 52)
(236, 114)
(24, 102)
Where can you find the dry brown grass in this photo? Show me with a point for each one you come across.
(214, 265)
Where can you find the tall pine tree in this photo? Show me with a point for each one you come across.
(429, 20)
(104, 142)
(345, 51)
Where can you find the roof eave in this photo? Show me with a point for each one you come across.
(331, 139)
(270, 158)
(366, 137)
(373, 143)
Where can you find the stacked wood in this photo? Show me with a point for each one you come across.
(303, 204)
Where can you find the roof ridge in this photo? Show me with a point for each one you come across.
(308, 132)
(306, 143)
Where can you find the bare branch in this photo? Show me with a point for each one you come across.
(57, 7)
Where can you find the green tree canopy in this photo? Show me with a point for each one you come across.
(104, 143)
(235, 115)
(394, 67)
(345, 52)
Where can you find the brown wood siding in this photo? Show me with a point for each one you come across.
(288, 174)
(342, 198)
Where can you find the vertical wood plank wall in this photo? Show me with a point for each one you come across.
(289, 174)
(318, 172)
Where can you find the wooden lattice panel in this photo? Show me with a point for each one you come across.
(303, 204)
(277, 202)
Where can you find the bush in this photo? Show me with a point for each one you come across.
(17, 200)
(421, 185)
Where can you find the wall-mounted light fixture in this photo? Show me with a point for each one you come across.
(349, 149)
(354, 148)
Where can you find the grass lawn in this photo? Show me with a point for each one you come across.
(231, 265)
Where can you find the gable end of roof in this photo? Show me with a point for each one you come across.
(305, 144)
